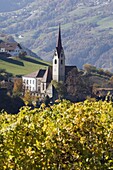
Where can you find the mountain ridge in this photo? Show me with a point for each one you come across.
(87, 30)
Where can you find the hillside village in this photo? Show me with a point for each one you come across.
(58, 80)
(56, 115)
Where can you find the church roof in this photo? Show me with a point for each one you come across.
(41, 73)
(37, 74)
(48, 75)
(59, 43)
(68, 69)
(45, 74)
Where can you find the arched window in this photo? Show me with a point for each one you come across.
(55, 61)
(61, 61)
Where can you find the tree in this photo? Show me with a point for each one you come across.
(5, 75)
(101, 71)
(27, 98)
(111, 80)
(17, 86)
(60, 88)
(47, 100)
(94, 88)
(78, 87)
(22, 54)
(89, 68)
(10, 104)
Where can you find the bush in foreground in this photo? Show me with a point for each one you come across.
(65, 136)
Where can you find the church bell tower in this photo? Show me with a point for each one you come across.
(59, 60)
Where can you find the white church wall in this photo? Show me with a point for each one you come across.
(38, 85)
(55, 70)
(43, 87)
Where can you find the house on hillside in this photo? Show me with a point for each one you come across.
(40, 81)
(11, 48)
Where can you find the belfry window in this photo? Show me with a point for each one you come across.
(61, 61)
(55, 53)
(55, 61)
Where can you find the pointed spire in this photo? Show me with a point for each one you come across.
(59, 43)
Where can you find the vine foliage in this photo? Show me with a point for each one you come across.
(63, 136)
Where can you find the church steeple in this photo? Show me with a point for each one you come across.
(59, 42)
(59, 60)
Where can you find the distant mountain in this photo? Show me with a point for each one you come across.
(87, 28)
(8, 5)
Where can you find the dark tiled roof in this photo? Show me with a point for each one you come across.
(39, 73)
(45, 74)
(10, 45)
(48, 75)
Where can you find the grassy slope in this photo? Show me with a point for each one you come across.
(21, 67)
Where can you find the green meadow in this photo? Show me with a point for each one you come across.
(18, 66)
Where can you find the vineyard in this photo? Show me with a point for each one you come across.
(65, 136)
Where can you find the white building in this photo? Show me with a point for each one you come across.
(11, 48)
(40, 81)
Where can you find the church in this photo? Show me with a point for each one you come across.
(39, 82)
